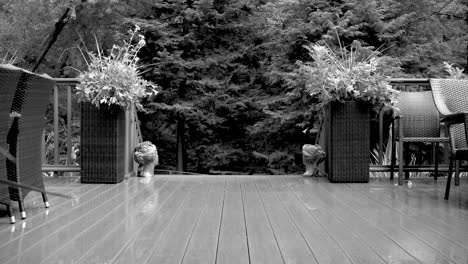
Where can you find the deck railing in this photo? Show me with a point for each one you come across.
(61, 133)
(63, 90)
(62, 160)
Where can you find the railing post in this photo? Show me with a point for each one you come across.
(381, 113)
(69, 124)
(57, 167)
(56, 122)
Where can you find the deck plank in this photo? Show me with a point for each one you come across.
(34, 205)
(262, 241)
(353, 246)
(324, 248)
(57, 233)
(122, 222)
(399, 202)
(204, 241)
(293, 245)
(147, 239)
(427, 197)
(384, 246)
(232, 247)
(42, 215)
(389, 222)
(60, 218)
(172, 247)
(242, 219)
(117, 239)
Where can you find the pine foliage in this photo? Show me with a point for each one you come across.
(229, 68)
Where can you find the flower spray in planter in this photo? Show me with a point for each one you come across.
(110, 91)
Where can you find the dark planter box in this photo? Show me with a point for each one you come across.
(102, 144)
(346, 134)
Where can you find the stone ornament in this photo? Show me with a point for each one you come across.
(146, 155)
(312, 156)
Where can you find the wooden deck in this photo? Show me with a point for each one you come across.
(241, 219)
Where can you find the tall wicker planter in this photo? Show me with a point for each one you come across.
(102, 143)
(346, 134)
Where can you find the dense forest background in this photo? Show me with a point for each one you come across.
(228, 99)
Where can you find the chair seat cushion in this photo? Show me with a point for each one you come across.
(426, 139)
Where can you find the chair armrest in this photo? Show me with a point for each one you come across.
(456, 118)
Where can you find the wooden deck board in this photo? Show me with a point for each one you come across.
(115, 240)
(121, 223)
(391, 228)
(232, 245)
(354, 246)
(39, 215)
(262, 241)
(204, 241)
(146, 240)
(404, 205)
(323, 246)
(172, 247)
(35, 206)
(429, 201)
(57, 223)
(384, 246)
(241, 219)
(293, 246)
(65, 229)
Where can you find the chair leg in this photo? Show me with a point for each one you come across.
(457, 172)
(21, 208)
(400, 163)
(10, 214)
(449, 179)
(406, 160)
(392, 159)
(435, 159)
(46, 201)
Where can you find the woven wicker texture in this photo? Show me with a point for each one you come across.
(348, 126)
(31, 99)
(419, 117)
(419, 121)
(102, 144)
(451, 96)
(9, 77)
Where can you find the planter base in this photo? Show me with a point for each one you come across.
(347, 132)
(102, 144)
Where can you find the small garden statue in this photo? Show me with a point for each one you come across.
(146, 155)
(312, 156)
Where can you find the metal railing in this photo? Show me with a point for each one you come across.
(65, 86)
(64, 162)
(62, 89)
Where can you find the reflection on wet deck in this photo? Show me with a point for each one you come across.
(240, 219)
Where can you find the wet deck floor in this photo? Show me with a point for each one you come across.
(241, 219)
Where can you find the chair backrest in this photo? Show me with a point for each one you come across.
(9, 77)
(419, 116)
(32, 97)
(451, 96)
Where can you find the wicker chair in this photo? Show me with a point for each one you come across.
(417, 120)
(30, 101)
(451, 99)
(9, 77)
